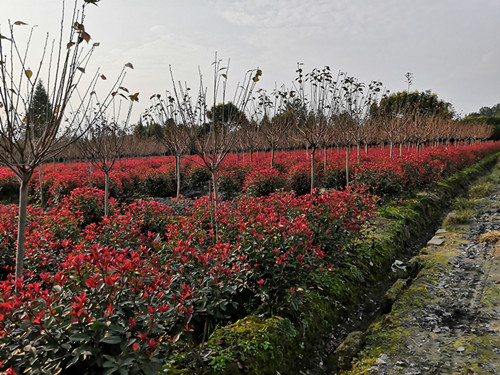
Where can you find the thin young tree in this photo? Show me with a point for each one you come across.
(103, 143)
(274, 121)
(212, 136)
(25, 142)
(318, 97)
(172, 134)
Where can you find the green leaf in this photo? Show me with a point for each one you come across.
(109, 358)
(111, 339)
(79, 337)
(116, 328)
(97, 326)
(108, 364)
(72, 362)
(128, 361)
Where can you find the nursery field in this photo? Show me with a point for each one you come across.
(147, 288)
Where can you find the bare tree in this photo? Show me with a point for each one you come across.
(273, 119)
(103, 143)
(25, 143)
(212, 136)
(172, 134)
(315, 98)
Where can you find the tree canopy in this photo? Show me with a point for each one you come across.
(40, 105)
(426, 103)
(226, 113)
(490, 116)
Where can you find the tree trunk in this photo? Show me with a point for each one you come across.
(89, 175)
(358, 151)
(40, 180)
(251, 155)
(21, 229)
(391, 146)
(325, 158)
(347, 165)
(106, 194)
(272, 157)
(313, 174)
(178, 174)
(216, 187)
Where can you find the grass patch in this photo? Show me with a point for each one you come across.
(490, 237)
(480, 190)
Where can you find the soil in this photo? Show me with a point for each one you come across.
(447, 319)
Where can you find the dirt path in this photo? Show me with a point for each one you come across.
(447, 319)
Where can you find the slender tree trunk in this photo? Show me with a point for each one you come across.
(347, 164)
(178, 174)
(358, 151)
(272, 157)
(106, 194)
(366, 148)
(325, 157)
(89, 175)
(21, 229)
(216, 187)
(391, 145)
(251, 155)
(401, 149)
(211, 207)
(313, 172)
(40, 180)
(216, 200)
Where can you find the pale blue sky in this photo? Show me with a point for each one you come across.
(451, 46)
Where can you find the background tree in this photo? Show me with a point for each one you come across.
(103, 143)
(38, 113)
(274, 121)
(489, 116)
(25, 143)
(172, 134)
(211, 129)
(318, 96)
(426, 103)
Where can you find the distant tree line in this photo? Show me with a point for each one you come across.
(490, 116)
